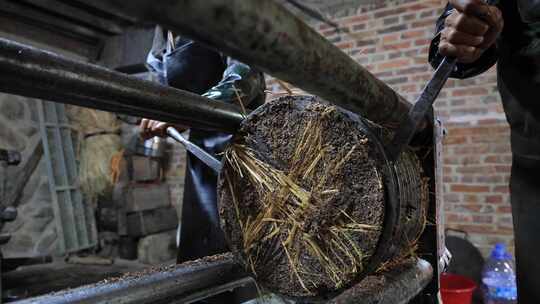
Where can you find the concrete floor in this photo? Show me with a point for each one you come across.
(31, 281)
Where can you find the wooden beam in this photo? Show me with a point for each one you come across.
(38, 18)
(120, 54)
(75, 15)
(101, 8)
(37, 36)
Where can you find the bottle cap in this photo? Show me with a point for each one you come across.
(499, 252)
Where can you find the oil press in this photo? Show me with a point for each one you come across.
(265, 35)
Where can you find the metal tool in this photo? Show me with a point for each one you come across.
(206, 158)
(417, 113)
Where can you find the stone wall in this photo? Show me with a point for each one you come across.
(33, 232)
(391, 39)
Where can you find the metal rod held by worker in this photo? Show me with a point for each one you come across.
(417, 114)
(39, 74)
(206, 158)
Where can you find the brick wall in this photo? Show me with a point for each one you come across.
(391, 40)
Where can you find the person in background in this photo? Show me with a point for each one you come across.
(479, 35)
(187, 65)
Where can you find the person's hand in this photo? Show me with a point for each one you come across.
(151, 128)
(471, 29)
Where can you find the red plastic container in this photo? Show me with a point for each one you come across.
(456, 289)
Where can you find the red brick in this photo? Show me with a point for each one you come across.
(391, 38)
(503, 169)
(355, 19)
(423, 5)
(450, 179)
(451, 198)
(392, 29)
(422, 42)
(475, 169)
(469, 188)
(409, 17)
(495, 159)
(365, 42)
(428, 23)
(501, 148)
(468, 208)
(451, 160)
(397, 46)
(504, 209)
(470, 159)
(501, 189)
(413, 70)
(458, 217)
(489, 179)
(494, 199)
(393, 64)
(470, 198)
(472, 149)
(478, 130)
(470, 91)
(408, 88)
(467, 179)
(413, 34)
(330, 32)
(476, 228)
(489, 138)
(491, 121)
(345, 45)
(387, 12)
(482, 219)
(455, 140)
(502, 229)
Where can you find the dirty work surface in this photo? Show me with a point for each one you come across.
(302, 198)
(149, 270)
(31, 281)
(58, 278)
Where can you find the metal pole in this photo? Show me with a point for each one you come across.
(266, 35)
(34, 73)
(185, 281)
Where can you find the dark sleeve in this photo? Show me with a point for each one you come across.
(463, 70)
(239, 81)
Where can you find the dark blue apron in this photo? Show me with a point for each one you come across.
(193, 67)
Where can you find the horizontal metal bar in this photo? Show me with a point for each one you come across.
(34, 73)
(399, 286)
(205, 294)
(163, 286)
(266, 35)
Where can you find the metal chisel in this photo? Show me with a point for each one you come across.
(417, 113)
(202, 155)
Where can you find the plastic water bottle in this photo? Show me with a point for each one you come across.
(499, 278)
